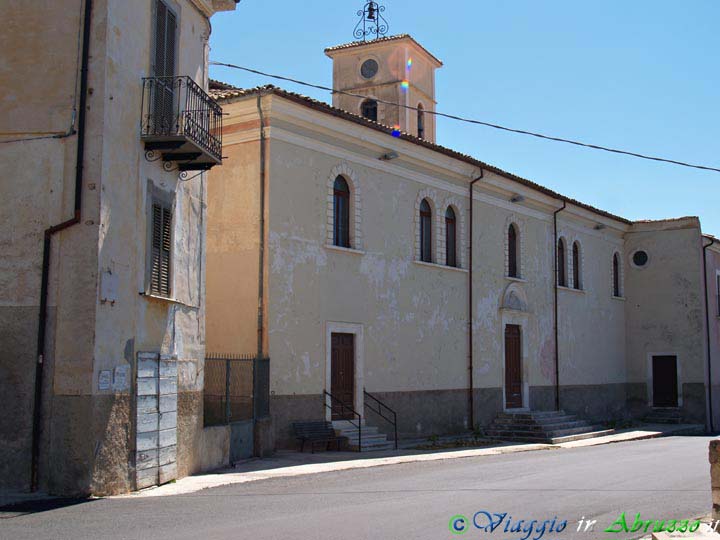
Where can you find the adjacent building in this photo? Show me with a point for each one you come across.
(371, 263)
(106, 132)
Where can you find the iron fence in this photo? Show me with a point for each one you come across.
(237, 387)
(179, 107)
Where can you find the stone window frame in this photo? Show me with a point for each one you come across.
(436, 227)
(519, 224)
(353, 181)
(460, 244)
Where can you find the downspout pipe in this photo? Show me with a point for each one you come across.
(707, 336)
(47, 245)
(471, 399)
(261, 248)
(555, 306)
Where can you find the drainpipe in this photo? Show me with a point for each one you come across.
(261, 249)
(707, 335)
(471, 401)
(49, 232)
(555, 319)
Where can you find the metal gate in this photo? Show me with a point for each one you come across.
(236, 393)
(156, 441)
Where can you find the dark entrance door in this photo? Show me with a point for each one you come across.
(342, 378)
(513, 367)
(665, 392)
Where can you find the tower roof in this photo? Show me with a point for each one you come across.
(330, 51)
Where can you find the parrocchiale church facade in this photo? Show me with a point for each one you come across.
(373, 265)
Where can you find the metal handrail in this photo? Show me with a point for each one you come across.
(380, 406)
(344, 407)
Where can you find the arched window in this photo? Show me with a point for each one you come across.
(425, 231)
(561, 264)
(450, 237)
(577, 270)
(421, 121)
(513, 266)
(616, 275)
(341, 213)
(369, 109)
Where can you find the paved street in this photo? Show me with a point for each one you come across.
(661, 478)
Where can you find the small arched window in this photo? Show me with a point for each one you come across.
(369, 109)
(513, 266)
(616, 275)
(421, 121)
(577, 270)
(561, 264)
(450, 237)
(341, 213)
(425, 231)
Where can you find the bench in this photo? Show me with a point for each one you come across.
(316, 433)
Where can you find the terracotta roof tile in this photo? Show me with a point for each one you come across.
(381, 40)
(224, 92)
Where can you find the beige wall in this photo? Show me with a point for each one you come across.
(92, 434)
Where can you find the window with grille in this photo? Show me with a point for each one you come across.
(425, 231)
(562, 265)
(513, 266)
(450, 237)
(341, 213)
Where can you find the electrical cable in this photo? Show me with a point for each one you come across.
(477, 122)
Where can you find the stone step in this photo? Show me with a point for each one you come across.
(546, 434)
(368, 440)
(550, 426)
(594, 432)
(354, 432)
(538, 421)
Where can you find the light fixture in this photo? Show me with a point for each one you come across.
(389, 156)
(517, 198)
(599, 227)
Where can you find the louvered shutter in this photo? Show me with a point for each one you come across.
(164, 67)
(160, 275)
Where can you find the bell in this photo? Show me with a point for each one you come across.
(371, 12)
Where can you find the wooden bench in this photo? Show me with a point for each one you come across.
(316, 433)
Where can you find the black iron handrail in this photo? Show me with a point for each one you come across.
(343, 408)
(380, 406)
(179, 107)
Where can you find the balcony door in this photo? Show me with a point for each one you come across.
(163, 95)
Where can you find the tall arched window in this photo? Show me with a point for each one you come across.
(513, 266)
(577, 270)
(616, 275)
(421, 120)
(341, 213)
(561, 264)
(450, 237)
(369, 109)
(425, 231)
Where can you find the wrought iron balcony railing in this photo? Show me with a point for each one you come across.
(181, 122)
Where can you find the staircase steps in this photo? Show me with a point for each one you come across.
(372, 439)
(664, 415)
(547, 427)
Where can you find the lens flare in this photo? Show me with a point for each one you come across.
(396, 130)
(405, 85)
(409, 64)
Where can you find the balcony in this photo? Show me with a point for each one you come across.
(181, 124)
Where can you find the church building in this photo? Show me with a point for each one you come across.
(381, 271)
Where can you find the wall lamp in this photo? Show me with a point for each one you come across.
(517, 198)
(389, 156)
(599, 227)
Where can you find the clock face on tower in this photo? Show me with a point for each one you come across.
(369, 69)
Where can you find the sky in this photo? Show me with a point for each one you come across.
(639, 75)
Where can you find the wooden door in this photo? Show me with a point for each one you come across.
(513, 367)
(342, 379)
(665, 392)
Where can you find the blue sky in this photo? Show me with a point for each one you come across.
(641, 75)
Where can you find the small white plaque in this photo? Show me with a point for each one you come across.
(104, 379)
(120, 381)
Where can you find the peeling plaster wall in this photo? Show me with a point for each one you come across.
(665, 310)
(88, 437)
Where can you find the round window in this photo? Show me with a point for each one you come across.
(640, 258)
(369, 68)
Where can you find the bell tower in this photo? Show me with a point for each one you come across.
(394, 69)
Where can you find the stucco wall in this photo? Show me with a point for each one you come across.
(713, 275)
(665, 309)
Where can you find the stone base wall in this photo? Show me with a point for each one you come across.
(714, 457)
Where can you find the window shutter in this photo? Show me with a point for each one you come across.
(170, 32)
(161, 12)
(160, 276)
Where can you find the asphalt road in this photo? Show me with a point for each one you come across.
(661, 478)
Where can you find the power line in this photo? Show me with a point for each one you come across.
(477, 122)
